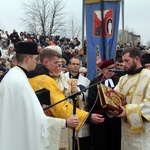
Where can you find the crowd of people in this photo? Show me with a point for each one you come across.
(69, 47)
(60, 66)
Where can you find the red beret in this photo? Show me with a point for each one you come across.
(105, 63)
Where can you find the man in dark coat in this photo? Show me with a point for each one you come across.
(107, 135)
(14, 37)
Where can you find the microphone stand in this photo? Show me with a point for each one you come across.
(69, 97)
(74, 98)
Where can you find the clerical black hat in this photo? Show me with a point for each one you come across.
(146, 58)
(27, 48)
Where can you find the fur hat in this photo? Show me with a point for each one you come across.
(27, 48)
(105, 63)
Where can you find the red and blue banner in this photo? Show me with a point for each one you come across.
(102, 20)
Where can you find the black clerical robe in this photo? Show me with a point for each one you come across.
(106, 135)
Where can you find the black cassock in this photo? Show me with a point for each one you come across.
(106, 135)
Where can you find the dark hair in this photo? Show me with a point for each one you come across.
(2, 69)
(73, 58)
(48, 53)
(119, 60)
(20, 57)
(133, 52)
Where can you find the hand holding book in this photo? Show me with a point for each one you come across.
(43, 96)
(110, 99)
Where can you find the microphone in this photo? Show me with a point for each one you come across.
(82, 89)
(117, 71)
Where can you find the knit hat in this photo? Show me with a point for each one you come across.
(10, 45)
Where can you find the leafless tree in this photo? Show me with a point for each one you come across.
(44, 16)
(74, 29)
(129, 36)
(1, 25)
(148, 44)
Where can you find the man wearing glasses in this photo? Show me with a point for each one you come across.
(78, 82)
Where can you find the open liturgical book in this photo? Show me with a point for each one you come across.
(110, 99)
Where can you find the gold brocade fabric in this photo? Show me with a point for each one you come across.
(61, 110)
(136, 131)
(110, 99)
(135, 118)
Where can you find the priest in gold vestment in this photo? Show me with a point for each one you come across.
(135, 86)
(24, 125)
(40, 78)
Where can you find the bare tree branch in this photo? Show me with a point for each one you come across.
(74, 27)
(44, 16)
(48, 16)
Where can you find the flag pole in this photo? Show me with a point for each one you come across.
(103, 30)
(123, 22)
(83, 19)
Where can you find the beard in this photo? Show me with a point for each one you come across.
(132, 69)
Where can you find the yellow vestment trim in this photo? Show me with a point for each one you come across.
(97, 1)
(134, 118)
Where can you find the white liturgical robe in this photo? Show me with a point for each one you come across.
(136, 130)
(23, 124)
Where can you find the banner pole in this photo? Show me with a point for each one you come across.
(103, 29)
(123, 22)
(83, 19)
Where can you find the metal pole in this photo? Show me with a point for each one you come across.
(83, 19)
(74, 98)
(123, 22)
(103, 29)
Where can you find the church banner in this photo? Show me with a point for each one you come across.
(102, 20)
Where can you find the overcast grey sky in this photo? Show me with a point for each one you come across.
(136, 15)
